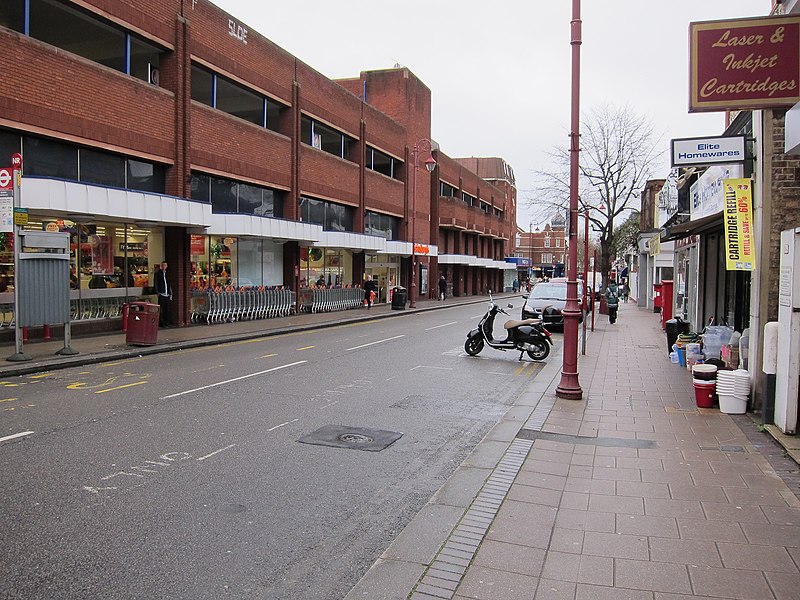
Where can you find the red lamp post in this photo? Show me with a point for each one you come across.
(430, 165)
(569, 387)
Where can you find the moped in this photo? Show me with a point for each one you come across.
(528, 335)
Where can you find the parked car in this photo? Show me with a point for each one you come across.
(547, 300)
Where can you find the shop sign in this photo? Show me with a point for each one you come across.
(197, 245)
(52, 227)
(654, 245)
(6, 200)
(421, 249)
(707, 151)
(739, 239)
(744, 63)
(706, 195)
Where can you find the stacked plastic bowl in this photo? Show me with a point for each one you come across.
(733, 389)
(704, 378)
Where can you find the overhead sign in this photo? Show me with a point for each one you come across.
(707, 151)
(739, 241)
(707, 195)
(744, 63)
(421, 249)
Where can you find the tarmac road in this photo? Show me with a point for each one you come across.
(180, 475)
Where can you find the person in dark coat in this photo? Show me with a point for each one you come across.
(442, 288)
(369, 290)
(164, 292)
(612, 301)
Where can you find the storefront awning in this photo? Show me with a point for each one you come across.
(235, 225)
(67, 198)
(457, 259)
(695, 227)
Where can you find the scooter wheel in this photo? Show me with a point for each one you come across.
(473, 345)
(540, 351)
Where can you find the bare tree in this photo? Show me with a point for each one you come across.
(618, 150)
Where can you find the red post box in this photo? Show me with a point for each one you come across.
(142, 324)
(667, 301)
(656, 297)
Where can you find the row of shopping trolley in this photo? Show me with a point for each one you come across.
(224, 306)
(330, 299)
(81, 309)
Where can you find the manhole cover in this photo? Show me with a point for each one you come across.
(355, 438)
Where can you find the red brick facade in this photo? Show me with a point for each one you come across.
(66, 97)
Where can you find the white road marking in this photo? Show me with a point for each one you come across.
(397, 337)
(445, 325)
(429, 367)
(16, 435)
(282, 424)
(211, 385)
(215, 452)
(329, 404)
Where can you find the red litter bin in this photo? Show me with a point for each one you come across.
(142, 324)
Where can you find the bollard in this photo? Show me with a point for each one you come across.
(46, 333)
(125, 317)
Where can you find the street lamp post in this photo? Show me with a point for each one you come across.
(569, 387)
(430, 165)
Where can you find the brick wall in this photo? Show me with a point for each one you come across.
(785, 195)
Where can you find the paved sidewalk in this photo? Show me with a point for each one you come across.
(630, 494)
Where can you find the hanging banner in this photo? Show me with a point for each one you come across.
(739, 241)
(654, 245)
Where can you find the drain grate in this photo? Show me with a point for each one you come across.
(354, 438)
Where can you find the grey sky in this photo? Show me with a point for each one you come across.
(499, 72)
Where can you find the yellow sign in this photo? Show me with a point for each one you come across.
(654, 245)
(20, 216)
(740, 251)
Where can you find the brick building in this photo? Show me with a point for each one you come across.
(171, 131)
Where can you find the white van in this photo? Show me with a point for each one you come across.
(596, 279)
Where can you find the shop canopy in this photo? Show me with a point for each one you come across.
(696, 227)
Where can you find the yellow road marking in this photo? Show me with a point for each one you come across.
(268, 355)
(120, 387)
(306, 348)
(41, 375)
(9, 399)
(521, 369)
(8, 384)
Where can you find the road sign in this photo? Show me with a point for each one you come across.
(6, 179)
(20, 216)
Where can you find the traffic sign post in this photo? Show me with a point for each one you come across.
(16, 171)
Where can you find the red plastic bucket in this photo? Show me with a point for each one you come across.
(704, 395)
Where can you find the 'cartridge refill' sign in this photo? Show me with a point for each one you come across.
(739, 242)
(744, 63)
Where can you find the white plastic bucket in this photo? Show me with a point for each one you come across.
(732, 405)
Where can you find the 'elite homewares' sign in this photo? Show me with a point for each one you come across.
(740, 252)
(707, 151)
(744, 63)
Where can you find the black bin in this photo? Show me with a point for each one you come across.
(675, 327)
(399, 298)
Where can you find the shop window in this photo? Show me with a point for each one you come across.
(146, 177)
(102, 168)
(76, 32)
(202, 86)
(223, 196)
(47, 158)
(239, 102)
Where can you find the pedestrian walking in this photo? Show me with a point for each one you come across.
(623, 292)
(515, 286)
(164, 292)
(612, 301)
(442, 287)
(369, 291)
